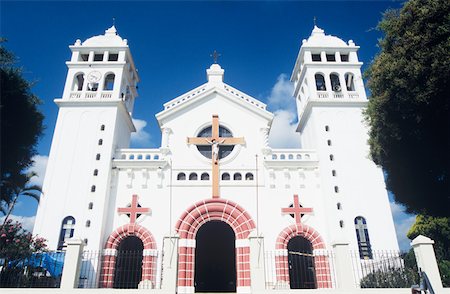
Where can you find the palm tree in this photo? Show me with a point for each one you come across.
(21, 186)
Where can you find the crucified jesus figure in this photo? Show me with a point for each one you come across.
(215, 148)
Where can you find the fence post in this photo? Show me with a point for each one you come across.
(343, 265)
(258, 281)
(426, 260)
(72, 264)
(170, 264)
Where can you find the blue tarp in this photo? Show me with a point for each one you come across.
(53, 262)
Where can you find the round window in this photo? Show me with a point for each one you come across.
(205, 149)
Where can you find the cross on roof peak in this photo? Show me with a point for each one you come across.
(215, 55)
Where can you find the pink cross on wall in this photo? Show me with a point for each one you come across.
(297, 210)
(133, 210)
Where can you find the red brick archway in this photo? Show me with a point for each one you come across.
(193, 218)
(110, 253)
(321, 263)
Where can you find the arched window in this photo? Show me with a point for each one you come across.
(329, 142)
(181, 177)
(274, 156)
(333, 173)
(320, 82)
(336, 189)
(193, 177)
(67, 229)
(299, 156)
(362, 234)
(88, 223)
(204, 177)
(349, 83)
(225, 176)
(91, 205)
(237, 177)
(93, 188)
(249, 177)
(95, 172)
(341, 223)
(78, 82)
(339, 206)
(291, 156)
(331, 157)
(102, 127)
(282, 156)
(109, 82)
(100, 142)
(335, 83)
(327, 128)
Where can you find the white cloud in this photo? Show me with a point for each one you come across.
(26, 221)
(39, 166)
(403, 223)
(140, 137)
(281, 102)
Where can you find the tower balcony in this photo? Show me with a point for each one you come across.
(90, 95)
(328, 95)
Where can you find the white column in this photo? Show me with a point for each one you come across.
(170, 264)
(426, 260)
(257, 264)
(72, 264)
(343, 265)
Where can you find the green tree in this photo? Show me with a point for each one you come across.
(408, 110)
(20, 125)
(21, 187)
(438, 229)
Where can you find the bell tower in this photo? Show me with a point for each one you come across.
(94, 119)
(330, 98)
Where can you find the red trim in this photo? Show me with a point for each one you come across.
(321, 264)
(109, 261)
(207, 210)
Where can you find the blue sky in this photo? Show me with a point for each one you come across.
(171, 43)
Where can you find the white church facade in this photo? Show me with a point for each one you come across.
(215, 181)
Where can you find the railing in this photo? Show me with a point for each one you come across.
(291, 155)
(125, 269)
(185, 97)
(299, 270)
(139, 154)
(339, 95)
(385, 269)
(90, 95)
(40, 270)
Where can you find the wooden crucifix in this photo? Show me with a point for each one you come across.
(215, 142)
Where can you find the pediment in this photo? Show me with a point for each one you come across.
(195, 97)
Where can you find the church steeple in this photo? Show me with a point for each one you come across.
(327, 70)
(102, 69)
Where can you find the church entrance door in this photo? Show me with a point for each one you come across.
(301, 264)
(215, 258)
(128, 267)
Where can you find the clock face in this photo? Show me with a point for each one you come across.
(94, 76)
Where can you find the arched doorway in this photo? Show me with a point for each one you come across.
(128, 267)
(301, 264)
(215, 258)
